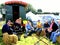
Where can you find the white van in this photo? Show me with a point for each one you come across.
(0, 16)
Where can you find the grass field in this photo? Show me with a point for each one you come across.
(1, 24)
(30, 40)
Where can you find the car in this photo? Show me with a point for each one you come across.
(0, 16)
(57, 19)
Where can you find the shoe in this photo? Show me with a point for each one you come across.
(50, 40)
(25, 36)
(54, 42)
(18, 39)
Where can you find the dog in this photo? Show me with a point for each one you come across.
(9, 39)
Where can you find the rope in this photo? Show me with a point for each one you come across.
(40, 40)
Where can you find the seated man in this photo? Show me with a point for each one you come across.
(53, 27)
(17, 25)
(39, 27)
(29, 28)
(46, 26)
(55, 34)
(18, 28)
(7, 27)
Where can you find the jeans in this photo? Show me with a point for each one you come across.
(54, 36)
(27, 32)
(38, 29)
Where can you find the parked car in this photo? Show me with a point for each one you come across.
(0, 17)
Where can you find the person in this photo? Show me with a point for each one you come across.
(46, 26)
(53, 27)
(28, 28)
(18, 28)
(55, 34)
(39, 27)
(7, 27)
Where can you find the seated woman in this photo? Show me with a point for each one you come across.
(28, 28)
(7, 27)
(39, 27)
(55, 34)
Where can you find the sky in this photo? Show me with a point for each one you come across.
(45, 5)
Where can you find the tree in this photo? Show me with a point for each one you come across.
(1, 8)
(39, 10)
(30, 8)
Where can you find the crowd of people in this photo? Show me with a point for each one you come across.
(52, 30)
(13, 28)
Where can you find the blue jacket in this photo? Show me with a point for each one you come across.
(6, 28)
(28, 26)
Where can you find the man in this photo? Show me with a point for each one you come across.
(28, 28)
(18, 28)
(53, 27)
(46, 26)
(55, 34)
(7, 27)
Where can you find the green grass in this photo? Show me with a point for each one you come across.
(1, 24)
(30, 40)
(1, 42)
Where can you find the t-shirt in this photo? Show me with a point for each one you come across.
(39, 25)
(28, 26)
